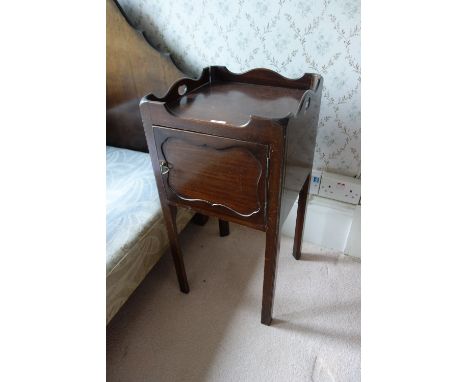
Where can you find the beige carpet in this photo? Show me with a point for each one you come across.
(214, 333)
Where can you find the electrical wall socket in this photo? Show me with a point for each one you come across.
(339, 187)
(315, 182)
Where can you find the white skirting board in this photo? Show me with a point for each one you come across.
(328, 224)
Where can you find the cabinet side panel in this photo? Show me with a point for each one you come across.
(300, 140)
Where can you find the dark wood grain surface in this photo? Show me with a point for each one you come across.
(234, 103)
(210, 138)
(225, 174)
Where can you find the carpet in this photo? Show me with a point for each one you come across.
(214, 332)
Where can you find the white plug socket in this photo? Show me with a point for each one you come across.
(339, 187)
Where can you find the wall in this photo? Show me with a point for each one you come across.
(289, 36)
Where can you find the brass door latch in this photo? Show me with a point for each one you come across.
(164, 167)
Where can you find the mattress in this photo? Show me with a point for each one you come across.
(136, 236)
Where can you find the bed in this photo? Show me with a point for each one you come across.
(135, 234)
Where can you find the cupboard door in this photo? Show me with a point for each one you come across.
(223, 175)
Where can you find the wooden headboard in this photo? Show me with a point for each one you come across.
(134, 69)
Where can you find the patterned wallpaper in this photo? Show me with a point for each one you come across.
(289, 36)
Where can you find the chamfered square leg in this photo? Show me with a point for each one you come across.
(200, 219)
(300, 219)
(223, 228)
(170, 213)
(269, 276)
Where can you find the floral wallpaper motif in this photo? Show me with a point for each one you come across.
(289, 36)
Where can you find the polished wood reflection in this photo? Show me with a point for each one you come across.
(238, 147)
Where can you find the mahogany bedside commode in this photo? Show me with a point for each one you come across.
(238, 147)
